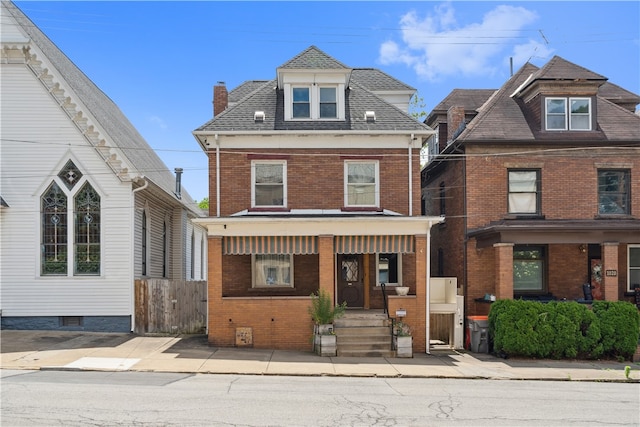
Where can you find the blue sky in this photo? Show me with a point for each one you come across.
(160, 60)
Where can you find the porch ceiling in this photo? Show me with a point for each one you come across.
(557, 232)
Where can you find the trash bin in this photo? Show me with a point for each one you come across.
(478, 333)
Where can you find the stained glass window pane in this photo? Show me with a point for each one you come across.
(70, 174)
(54, 231)
(87, 231)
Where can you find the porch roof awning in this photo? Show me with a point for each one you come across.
(373, 244)
(246, 245)
(557, 231)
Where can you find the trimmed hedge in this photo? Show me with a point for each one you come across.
(564, 329)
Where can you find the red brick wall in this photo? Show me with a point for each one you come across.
(277, 323)
(569, 191)
(315, 179)
(236, 277)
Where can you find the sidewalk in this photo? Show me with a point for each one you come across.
(192, 354)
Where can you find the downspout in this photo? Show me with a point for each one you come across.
(217, 176)
(428, 291)
(410, 176)
(132, 243)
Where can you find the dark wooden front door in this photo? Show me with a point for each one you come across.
(350, 283)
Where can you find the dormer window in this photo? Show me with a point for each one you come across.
(301, 103)
(328, 103)
(568, 114)
(314, 101)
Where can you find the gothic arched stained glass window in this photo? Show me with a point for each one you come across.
(87, 231)
(54, 231)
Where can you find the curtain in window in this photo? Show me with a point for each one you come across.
(361, 182)
(522, 192)
(269, 188)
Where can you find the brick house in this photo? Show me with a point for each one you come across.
(314, 184)
(536, 180)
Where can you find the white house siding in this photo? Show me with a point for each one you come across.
(37, 140)
(158, 211)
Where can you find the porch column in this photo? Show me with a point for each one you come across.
(326, 265)
(420, 340)
(503, 253)
(609, 262)
(214, 287)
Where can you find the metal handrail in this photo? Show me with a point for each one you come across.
(383, 286)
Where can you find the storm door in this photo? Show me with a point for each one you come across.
(350, 283)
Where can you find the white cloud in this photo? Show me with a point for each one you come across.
(158, 121)
(436, 46)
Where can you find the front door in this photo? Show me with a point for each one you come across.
(350, 283)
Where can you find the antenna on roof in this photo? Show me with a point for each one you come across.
(511, 65)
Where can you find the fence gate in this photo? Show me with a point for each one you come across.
(170, 306)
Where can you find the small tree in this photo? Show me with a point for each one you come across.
(204, 204)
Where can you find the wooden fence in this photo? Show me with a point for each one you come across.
(170, 306)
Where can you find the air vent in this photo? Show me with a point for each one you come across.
(370, 116)
(258, 116)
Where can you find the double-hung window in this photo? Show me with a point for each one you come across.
(269, 178)
(613, 192)
(301, 103)
(389, 268)
(328, 103)
(361, 184)
(70, 226)
(528, 269)
(319, 101)
(524, 192)
(634, 267)
(568, 113)
(272, 270)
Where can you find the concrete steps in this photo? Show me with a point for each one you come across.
(363, 334)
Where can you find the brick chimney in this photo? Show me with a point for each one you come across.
(455, 122)
(220, 98)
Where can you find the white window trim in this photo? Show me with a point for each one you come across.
(399, 283)
(546, 113)
(255, 284)
(377, 183)
(629, 268)
(314, 101)
(579, 114)
(284, 182)
(567, 113)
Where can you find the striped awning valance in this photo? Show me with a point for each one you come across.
(246, 245)
(373, 244)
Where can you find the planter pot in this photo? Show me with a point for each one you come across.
(325, 345)
(324, 329)
(404, 346)
(402, 290)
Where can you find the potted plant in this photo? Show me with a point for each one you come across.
(402, 290)
(323, 313)
(402, 340)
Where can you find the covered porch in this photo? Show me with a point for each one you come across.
(572, 260)
(263, 269)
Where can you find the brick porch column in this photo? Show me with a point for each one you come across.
(609, 262)
(503, 253)
(326, 265)
(419, 338)
(214, 286)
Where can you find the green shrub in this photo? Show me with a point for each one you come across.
(620, 327)
(564, 329)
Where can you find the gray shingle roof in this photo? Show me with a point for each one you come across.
(124, 135)
(375, 80)
(360, 97)
(560, 69)
(313, 58)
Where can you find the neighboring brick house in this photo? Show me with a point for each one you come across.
(539, 181)
(314, 184)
